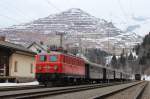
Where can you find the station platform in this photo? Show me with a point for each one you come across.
(4, 79)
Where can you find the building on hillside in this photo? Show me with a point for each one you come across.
(54, 40)
(16, 62)
(37, 47)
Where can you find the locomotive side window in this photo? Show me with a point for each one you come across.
(53, 58)
(42, 58)
(64, 59)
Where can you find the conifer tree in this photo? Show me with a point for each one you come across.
(114, 62)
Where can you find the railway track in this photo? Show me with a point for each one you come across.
(34, 93)
(24, 87)
(131, 92)
(145, 94)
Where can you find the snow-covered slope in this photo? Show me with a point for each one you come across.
(71, 21)
(139, 25)
(74, 22)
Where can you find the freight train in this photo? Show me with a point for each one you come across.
(137, 76)
(59, 68)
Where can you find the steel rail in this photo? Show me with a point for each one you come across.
(26, 94)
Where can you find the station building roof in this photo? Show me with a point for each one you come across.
(15, 47)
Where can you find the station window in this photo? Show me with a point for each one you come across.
(15, 66)
(31, 68)
(42, 58)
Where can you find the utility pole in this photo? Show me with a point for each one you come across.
(61, 34)
(80, 44)
(109, 31)
(108, 42)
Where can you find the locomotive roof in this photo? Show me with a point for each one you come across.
(52, 52)
(97, 65)
(58, 53)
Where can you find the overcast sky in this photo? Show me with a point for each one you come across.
(19, 11)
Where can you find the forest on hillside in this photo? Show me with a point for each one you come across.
(143, 52)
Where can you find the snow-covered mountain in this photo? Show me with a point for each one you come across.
(136, 24)
(94, 32)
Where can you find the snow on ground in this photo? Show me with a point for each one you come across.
(146, 77)
(19, 84)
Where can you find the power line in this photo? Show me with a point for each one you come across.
(10, 18)
(51, 4)
(122, 10)
(125, 14)
(19, 12)
(131, 8)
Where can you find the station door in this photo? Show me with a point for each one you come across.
(4, 64)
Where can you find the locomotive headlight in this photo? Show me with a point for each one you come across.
(47, 67)
(55, 67)
(39, 67)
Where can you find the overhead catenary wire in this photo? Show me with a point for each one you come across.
(10, 18)
(18, 11)
(51, 4)
(122, 10)
(131, 8)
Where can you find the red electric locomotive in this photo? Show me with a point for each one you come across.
(55, 67)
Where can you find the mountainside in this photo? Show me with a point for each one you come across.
(139, 25)
(73, 22)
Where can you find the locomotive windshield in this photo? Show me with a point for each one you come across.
(53, 58)
(42, 58)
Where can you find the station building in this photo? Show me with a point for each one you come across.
(16, 62)
(37, 47)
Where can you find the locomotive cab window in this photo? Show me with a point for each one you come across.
(53, 58)
(42, 58)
